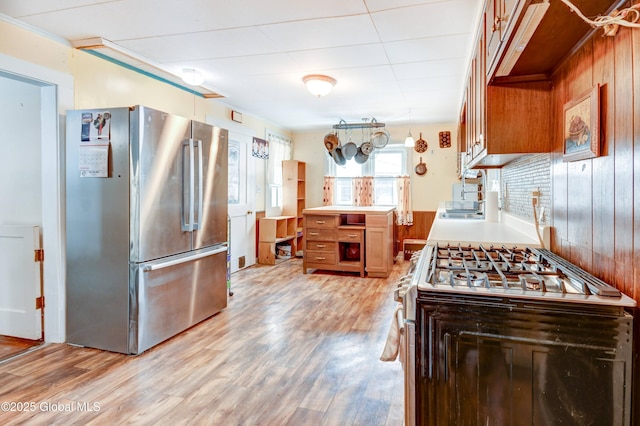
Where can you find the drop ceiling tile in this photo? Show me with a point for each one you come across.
(429, 48)
(340, 57)
(425, 20)
(436, 68)
(322, 33)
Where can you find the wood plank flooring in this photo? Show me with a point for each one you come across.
(12, 346)
(290, 349)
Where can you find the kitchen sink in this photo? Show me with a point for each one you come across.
(462, 215)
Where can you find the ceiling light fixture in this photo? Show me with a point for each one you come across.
(409, 142)
(109, 51)
(192, 77)
(319, 85)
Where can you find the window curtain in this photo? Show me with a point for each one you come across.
(404, 210)
(279, 149)
(363, 191)
(327, 190)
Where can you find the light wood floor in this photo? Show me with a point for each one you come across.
(289, 349)
(12, 346)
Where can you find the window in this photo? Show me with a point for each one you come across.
(279, 149)
(385, 165)
(234, 174)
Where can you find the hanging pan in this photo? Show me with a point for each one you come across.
(349, 149)
(421, 168)
(331, 142)
(380, 139)
(421, 145)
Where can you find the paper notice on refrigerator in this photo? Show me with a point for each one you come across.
(94, 160)
(96, 127)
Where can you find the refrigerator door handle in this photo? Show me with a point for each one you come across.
(187, 182)
(162, 265)
(199, 206)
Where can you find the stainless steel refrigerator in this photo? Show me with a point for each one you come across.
(146, 226)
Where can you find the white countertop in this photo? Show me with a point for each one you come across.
(508, 231)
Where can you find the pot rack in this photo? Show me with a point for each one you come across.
(373, 124)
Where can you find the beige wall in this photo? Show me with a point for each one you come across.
(427, 190)
(99, 83)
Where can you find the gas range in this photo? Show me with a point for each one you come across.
(514, 272)
(490, 333)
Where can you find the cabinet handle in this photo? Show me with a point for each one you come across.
(320, 258)
(320, 245)
(497, 22)
(314, 234)
(320, 222)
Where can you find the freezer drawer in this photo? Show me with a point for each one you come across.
(171, 295)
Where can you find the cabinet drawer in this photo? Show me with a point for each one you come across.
(321, 245)
(320, 234)
(378, 220)
(323, 257)
(350, 235)
(322, 221)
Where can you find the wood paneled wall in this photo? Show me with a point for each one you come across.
(596, 202)
(422, 221)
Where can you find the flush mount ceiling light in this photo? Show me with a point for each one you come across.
(319, 85)
(192, 77)
(111, 52)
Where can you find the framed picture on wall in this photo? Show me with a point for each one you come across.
(581, 128)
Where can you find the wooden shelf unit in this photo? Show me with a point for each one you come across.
(294, 194)
(275, 231)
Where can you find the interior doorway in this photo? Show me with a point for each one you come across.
(54, 90)
(21, 309)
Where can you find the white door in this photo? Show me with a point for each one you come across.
(242, 195)
(20, 282)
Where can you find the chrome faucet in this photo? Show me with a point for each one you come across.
(471, 174)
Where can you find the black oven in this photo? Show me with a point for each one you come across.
(511, 336)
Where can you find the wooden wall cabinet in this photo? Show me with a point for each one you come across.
(293, 196)
(508, 119)
(499, 20)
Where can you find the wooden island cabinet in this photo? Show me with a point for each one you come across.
(349, 239)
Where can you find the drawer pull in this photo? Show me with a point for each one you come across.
(320, 258)
(352, 235)
(320, 245)
(314, 234)
(320, 222)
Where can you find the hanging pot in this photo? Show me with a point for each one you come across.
(380, 139)
(366, 148)
(360, 156)
(421, 168)
(338, 156)
(331, 142)
(349, 150)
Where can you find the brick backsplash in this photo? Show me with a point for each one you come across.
(519, 179)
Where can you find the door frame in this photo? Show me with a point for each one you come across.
(236, 132)
(57, 91)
